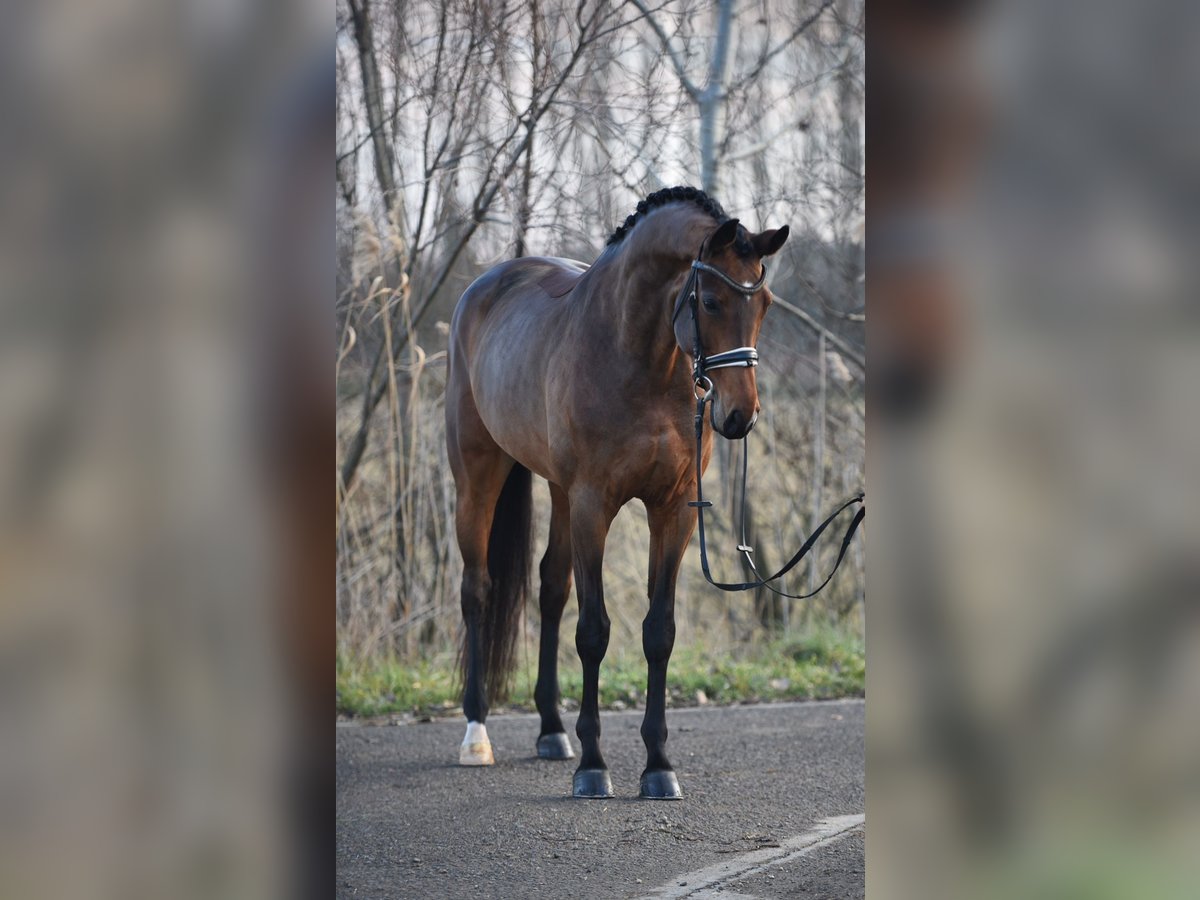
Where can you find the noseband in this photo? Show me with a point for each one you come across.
(747, 357)
(739, 356)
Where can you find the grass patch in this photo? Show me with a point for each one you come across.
(820, 665)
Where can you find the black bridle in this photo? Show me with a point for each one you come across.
(703, 386)
(740, 356)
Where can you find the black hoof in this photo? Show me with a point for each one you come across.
(554, 746)
(660, 786)
(592, 784)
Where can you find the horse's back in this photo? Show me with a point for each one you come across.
(521, 280)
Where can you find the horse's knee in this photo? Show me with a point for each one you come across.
(591, 638)
(658, 639)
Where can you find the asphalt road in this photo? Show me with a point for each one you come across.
(773, 804)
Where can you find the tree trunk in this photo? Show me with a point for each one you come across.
(524, 200)
(851, 153)
(537, 106)
(712, 101)
(364, 38)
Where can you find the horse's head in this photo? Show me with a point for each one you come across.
(728, 318)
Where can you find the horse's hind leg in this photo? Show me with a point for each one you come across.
(555, 574)
(479, 474)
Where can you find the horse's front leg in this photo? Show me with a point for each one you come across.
(670, 529)
(591, 515)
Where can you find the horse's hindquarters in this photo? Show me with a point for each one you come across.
(509, 374)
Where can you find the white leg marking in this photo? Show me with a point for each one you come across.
(476, 749)
(701, 883)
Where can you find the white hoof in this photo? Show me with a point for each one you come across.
(476, 749)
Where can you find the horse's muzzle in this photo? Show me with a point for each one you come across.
(736, 425)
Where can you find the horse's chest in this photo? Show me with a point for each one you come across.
(648, 463)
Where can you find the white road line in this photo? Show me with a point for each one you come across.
(701, 882)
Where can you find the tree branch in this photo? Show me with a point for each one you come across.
(672, 53)
(783, 45)
(851, 353)
(364, 37)
(718, 70)
(484, 197)
(753, 149)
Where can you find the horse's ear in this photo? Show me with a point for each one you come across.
(723, 236)
(768, 242)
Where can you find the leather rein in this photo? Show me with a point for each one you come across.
(703, 386)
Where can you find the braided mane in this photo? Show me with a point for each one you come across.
(682, 193)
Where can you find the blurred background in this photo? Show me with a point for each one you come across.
(166, 262)
(166, 555)
(473, 132)
(1033, 671)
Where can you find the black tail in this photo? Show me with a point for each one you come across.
(509, 560)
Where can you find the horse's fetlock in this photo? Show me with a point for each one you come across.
(654, 733)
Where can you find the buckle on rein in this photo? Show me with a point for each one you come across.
(702, 386)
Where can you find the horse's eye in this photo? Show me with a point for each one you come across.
(711, 305)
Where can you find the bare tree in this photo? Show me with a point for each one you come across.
(471, 131)
(549, 73)
(710, 98)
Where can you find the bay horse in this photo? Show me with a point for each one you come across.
(583, 375)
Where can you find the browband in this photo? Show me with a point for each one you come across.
(746, 289)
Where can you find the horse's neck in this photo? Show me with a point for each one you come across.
(648, 276)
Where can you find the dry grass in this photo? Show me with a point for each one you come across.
(399, 567)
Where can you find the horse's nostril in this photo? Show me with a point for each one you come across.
(734, 423)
